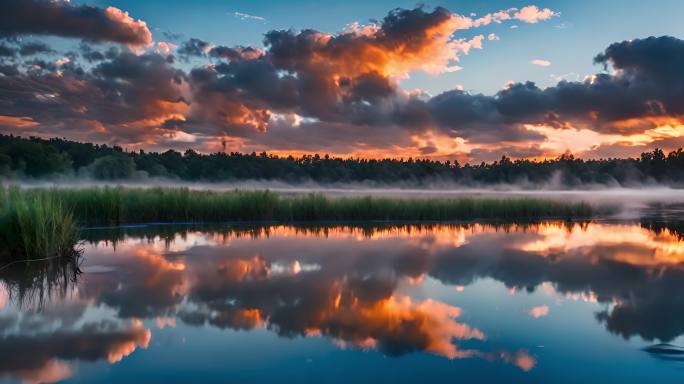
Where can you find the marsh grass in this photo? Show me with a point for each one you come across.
(35, 226)
(117, 206)
(44, 223)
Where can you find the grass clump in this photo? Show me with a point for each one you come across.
(35, 226)
(116, 206)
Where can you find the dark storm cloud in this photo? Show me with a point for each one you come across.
(117, 95)
(338, 79)
(332, 78)
(648, 83)
(35, 47)
(172, 36)
(647, 86)
(653, 67)
(193, 47)
(341, 90)
(476, 117)
(89, 54)
(61, 18)
(234, 53)
(402, 33)
(9, 70)
(7, 51)
(369, 86)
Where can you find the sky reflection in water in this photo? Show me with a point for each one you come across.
(407, 303)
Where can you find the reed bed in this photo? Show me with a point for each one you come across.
(35, 226)
(117, 206)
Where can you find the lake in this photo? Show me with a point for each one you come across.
(596, 301)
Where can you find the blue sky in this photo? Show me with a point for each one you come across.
(569, 41)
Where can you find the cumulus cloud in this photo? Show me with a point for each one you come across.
(639, 102)
(346, 82)
(532, 14)
(194, 47)
(309, 91)
(62, 18)
(127, 96)
(41, 354)
(405, 41)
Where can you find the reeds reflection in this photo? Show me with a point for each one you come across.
(32, 285)
(361, 287)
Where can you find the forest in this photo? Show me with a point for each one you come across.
(37, 158)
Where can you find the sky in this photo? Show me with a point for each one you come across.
(465, 80)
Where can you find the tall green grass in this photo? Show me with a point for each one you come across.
(44, 223)
(35, 225)
(116, 206)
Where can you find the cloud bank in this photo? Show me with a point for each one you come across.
(309, 91)
(61, 18)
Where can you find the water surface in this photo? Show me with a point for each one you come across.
(552, 302)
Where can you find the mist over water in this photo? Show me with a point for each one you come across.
(644, 200)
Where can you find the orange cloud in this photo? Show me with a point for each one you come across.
(539, 311)
(129, 26)
(53, 371)
(632, 244)
(524, 361)
(533, 14)
(17, 121)
(141, 338)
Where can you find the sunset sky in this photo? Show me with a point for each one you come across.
(466, 80)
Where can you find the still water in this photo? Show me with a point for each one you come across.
(552, 302)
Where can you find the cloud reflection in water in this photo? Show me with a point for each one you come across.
(354, 286)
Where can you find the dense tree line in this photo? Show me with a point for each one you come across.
(38, 158)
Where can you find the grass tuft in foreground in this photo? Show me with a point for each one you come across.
(35, 226)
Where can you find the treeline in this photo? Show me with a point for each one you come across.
(39, 158)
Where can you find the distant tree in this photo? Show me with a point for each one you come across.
(5, 164)
(36, 159)
(39, 158)
(113, 167)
